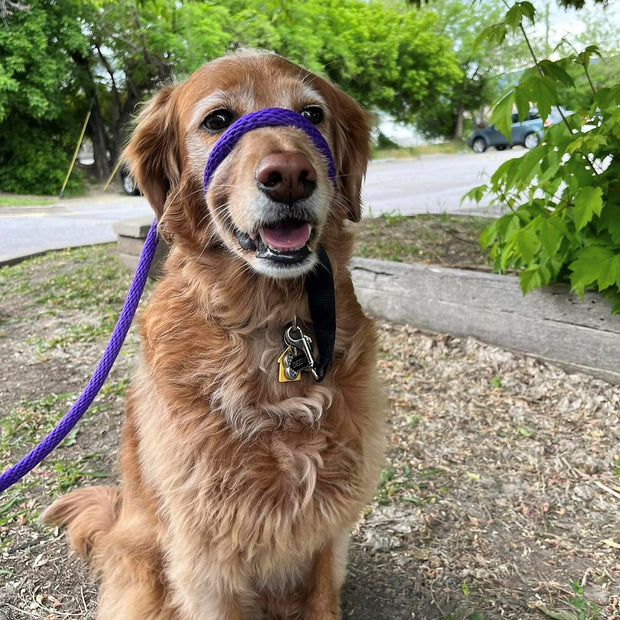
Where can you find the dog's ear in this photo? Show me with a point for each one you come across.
(152, 153)
(351, 147)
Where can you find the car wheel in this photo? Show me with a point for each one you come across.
(531, 141)
(129, 185)
(479, 145)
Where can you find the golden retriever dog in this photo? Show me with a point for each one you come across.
(239, 488)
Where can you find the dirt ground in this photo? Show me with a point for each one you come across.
(500, 497)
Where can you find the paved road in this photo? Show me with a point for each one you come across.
(432, 184)
(71, 222)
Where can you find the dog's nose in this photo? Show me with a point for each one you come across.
(286, 177)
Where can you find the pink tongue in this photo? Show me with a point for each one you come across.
(287, 237)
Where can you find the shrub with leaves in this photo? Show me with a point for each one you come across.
(562, 197)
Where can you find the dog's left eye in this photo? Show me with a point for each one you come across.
(313, 113)
(218, 120)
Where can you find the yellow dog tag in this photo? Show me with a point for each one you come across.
(282, 376)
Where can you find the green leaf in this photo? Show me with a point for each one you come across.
(509, 226)
(591, 264)
(609, 220)
(586, 144)
(609, 273)
(527, 243)
(552, 232)
(528, 166)
(70, 439)
(494, 34)
(583, 58)
(508, 173)
(555, 71)
(542, 91)
(529, 279)
(501, 116)
(612, 295)
(588, 202)
(476, 194)
(607, 97)
(522, 102)
(507, 256)
(520, 10)
(488, 236)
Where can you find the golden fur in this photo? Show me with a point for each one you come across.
(237, 492)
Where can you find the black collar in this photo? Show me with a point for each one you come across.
(322, 302)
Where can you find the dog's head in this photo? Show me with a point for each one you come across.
(271, 200)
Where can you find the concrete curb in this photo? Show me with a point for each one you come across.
(131, 234)
(15, 260)
(551, 323)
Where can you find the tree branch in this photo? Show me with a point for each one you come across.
(8, 7)
(108, 68)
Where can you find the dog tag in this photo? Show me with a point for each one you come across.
(298, 341)
(286, 373)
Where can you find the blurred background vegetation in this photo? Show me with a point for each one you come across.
(417, 63)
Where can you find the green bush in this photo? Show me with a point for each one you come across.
(562, 197)
(34, 162)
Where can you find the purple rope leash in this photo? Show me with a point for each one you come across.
(268, 117)
(31, 460)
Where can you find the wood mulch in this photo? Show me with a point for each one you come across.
(500, 497)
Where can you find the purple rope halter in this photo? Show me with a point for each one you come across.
(268, 117)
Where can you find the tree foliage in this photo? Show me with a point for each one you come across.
(480, 63)
(563, 196)
(39, 98)
(62, 57)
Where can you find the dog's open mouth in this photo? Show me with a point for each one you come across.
(286, 241)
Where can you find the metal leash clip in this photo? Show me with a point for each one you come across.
(298, 355)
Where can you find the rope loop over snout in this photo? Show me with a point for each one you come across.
(267, 117)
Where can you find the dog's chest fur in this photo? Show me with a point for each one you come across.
(264, 468)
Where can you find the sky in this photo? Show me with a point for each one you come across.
(572, 23)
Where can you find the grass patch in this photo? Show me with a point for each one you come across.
(89, 279)
(76, 333)
(11, 506)
(407, 485)
(439, 239)
(70, 473)
(14, 200)
(580, 607)
(28, 422)
(416, 151)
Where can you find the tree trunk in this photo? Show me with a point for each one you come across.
(458, 130)
(100, 147)
(96, 127)
(119, 129)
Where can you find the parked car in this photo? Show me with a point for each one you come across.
(526, 133)
(555, 116)
(128, 183)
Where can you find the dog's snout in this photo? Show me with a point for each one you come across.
(286, 177)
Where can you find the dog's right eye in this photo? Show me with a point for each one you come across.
(218, 120)
(313, 113)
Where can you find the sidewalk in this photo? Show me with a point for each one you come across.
(30, 230)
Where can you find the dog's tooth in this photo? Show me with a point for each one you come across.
(245, 241)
